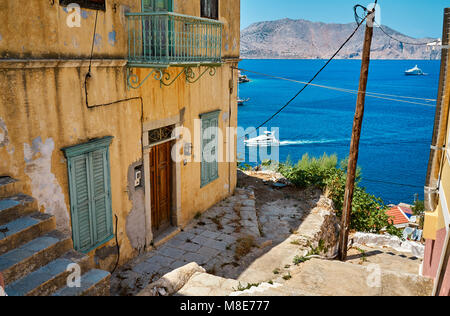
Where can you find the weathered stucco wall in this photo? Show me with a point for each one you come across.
(44, 110)
(207, 95)
(48, 35)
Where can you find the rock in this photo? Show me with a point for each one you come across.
(373, 240)
(173, 281)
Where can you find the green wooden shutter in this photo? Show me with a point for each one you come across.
(83, 234)
(101, 195)
(90, 194)
(209, 169)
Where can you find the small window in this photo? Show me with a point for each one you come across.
(161, 134)
(157, 5)
(210, 9)
(209, 142)
(90, 194)
(86, 4)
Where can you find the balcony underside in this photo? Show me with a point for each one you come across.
(165, 65)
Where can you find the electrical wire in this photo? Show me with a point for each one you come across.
(369, 94)
(358, 18)
(403, 42)
(392, 183)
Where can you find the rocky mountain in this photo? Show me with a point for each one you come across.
(303, 39)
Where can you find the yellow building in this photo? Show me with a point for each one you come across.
(437, 192)
(103, 105)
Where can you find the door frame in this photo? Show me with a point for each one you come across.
(176, 176)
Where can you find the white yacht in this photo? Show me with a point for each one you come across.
(266, 140)
(416, 71)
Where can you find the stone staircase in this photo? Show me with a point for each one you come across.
(34, 256)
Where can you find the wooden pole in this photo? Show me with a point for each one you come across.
(356, 133)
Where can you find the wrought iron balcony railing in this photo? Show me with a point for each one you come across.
(163, 39)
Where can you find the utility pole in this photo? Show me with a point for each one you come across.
(356, 134)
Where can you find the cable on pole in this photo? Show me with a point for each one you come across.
(384, 96)
(312, 79)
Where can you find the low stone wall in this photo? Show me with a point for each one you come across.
(373, 240)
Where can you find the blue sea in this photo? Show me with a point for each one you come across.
(395, 139)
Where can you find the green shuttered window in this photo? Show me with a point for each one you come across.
(90, 193)
(210, 130)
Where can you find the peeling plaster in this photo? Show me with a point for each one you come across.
(4, 138)
(98, 39)
(44, 186)
(135, 225)
(85, 14)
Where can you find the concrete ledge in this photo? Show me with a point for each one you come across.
(59, 63)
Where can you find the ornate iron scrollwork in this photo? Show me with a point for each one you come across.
(133, 79)
(165, 78)
(191, 77)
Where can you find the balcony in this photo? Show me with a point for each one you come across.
(164, 39)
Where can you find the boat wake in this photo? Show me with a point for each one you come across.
(309, 142)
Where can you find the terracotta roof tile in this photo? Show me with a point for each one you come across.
(398, 217)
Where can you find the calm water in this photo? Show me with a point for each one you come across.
(395, 139)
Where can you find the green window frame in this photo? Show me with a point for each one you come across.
(157, 5)
(90, 193)
(209, 9)
(209, 167)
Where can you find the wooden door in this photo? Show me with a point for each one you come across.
(161, 186)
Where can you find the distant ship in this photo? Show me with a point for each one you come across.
(416, 71)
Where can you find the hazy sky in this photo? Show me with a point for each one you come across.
(417, 18)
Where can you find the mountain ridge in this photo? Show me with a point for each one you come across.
(303, 39)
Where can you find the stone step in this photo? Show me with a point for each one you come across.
(24, 229)
(8, 186)
(16, 206)
(50, 278)
(29, 257)
(93, 283)
(335, 278)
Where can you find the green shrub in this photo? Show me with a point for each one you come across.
(368, 211)
(309, 171)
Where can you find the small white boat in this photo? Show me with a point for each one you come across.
(416, 71)
(242, 101)
(266, 140)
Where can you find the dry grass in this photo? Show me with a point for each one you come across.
(243, 246)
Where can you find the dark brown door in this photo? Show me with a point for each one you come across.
(161, 186)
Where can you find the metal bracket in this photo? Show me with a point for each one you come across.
(438, 148)
(133, 79)
(431, 190)
(191, 75)
(165, 78)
